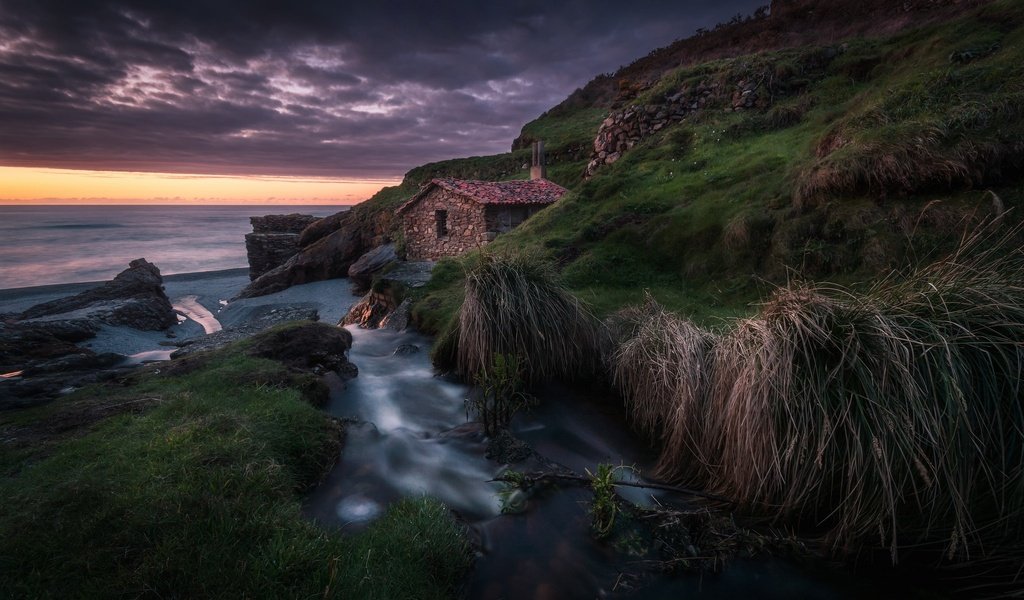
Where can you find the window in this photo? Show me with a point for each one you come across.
(441, 221)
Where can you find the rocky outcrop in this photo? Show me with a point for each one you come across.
(38, 348)
(327, 258)
(134, 298)
(40, 360)
(322, 228)
(274, 239)
(366, 266)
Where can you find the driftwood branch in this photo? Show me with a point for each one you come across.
(532, 478)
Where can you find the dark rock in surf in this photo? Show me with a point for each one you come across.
(134, 298)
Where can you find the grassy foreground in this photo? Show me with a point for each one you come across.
(199, 496)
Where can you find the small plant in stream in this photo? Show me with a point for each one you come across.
(605, 506)
(499, 393)
(512, 494)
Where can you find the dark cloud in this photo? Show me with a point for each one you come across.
(304, 88)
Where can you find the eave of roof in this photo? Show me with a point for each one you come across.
(506, 193)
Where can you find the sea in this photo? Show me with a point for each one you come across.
(41, 245)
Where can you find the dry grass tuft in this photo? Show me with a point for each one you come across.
(515, 307)
(662, 369)
(894, 413)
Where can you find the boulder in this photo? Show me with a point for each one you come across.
(312, 346)
(398, 319)
(134, 298)
(362, 271)
(258, 322)
(24, 345)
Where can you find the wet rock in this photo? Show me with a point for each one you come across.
(312, 346)
(134, 298)
(370, 312)
(398, 319)
(274, 239)
(74, 362)
(406, 350)
(366, 266)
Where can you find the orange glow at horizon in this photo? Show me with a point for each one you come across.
(30, 185)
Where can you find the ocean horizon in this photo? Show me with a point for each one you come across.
(56, 244)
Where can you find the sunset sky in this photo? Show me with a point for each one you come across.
(302, 102)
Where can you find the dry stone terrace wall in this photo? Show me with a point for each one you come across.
(467, 227)
(626, 127)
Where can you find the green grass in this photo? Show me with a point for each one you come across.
(561, 127)
(200, 497)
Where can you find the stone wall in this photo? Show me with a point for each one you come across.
(275, 239)
(757, 89)
(467, 227)
(627, 127)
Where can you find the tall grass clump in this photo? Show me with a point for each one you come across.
(891, 414)
(662, 369)
(896, 411)
(514, 306)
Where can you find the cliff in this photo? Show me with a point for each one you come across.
(274, 239)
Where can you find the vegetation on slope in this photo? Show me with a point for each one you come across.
(888, 149)
(198, 495)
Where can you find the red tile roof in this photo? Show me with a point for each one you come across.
(529, 191)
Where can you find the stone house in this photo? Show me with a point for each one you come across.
(450, 216)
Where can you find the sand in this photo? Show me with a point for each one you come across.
(206, 300)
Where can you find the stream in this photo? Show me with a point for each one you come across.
(412, 438)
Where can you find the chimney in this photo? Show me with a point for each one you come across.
(537, 168)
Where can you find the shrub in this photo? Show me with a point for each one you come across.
(500, 394)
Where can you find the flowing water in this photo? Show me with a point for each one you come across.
(412, 439)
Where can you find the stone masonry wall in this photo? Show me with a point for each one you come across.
(626, 127)
(467, 228)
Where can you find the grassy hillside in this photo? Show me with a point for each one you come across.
(869, 155)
